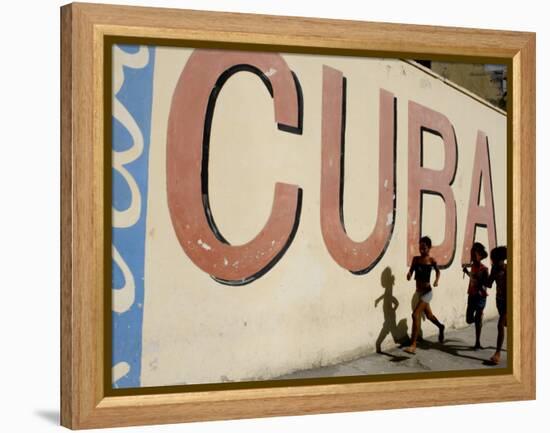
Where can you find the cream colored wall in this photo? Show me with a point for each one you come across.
(307, 311)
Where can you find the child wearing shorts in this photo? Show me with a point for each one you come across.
(498, 275)
(477, 290)
(422, 266)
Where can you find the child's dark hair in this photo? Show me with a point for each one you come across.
(480, 248)
(498, 254)
(426, 240)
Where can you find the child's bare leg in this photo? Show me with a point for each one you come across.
(479, 325)
(417, 313)
(436, 322)
(500, 338)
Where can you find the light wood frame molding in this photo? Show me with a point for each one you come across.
(85, 402)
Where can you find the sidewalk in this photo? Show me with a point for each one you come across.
(456, 353)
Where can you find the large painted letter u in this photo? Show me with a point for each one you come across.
(357, 257)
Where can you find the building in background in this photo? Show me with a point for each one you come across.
(485, 80)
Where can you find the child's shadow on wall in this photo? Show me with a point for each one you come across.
(390, 304)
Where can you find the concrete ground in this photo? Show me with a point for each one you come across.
(456, 353)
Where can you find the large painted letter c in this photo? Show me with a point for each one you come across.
(187, 165)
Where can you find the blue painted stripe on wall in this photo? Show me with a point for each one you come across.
(136, 96)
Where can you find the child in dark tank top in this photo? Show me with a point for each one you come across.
(477, 290)
(422, 266)
(498, 275)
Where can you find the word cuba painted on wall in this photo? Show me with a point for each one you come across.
(187, 173)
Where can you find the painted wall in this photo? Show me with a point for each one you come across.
(308, 310)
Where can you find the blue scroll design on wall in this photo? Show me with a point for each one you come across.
(132, 80)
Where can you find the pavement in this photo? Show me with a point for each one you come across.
(455, 353)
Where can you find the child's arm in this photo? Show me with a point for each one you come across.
(485, 278)
(411, 269)
(437, 272)
(491, 277)
(395, 302)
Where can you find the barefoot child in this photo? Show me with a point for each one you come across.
(477, 291)
(498, 275)
(422, 266)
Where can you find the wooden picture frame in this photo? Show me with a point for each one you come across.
(86, 401)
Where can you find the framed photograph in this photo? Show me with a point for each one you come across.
(266, 215)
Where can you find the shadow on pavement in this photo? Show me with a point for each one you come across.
(394, 358)
(454, 349)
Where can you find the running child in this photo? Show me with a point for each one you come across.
(498, 275)
(422, 266)
(477, 291)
